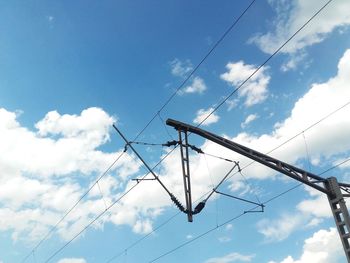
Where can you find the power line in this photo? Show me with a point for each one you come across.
(275, 148)
(296, 135)
(74, 206)
(264, 63)
(235, 22)
(92, 222)
(144, 237)
(221, 103)
(218, 42)
(237, 216)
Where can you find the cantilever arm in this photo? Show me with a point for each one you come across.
(296, 173)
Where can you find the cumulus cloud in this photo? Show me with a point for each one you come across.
(329, 138)
(290, 17)
(317, 205)
(232, 257)
(255, 89)
(197, 86)
(323, 247)
(42, 171)
(180, 68)
(202, 114)
(313, 210)
(52, 160)
(281, 228)
(326, 139)
(249, 119)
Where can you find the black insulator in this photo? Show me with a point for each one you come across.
(170, 143)
(198, 150)
(178, 204)
(126, 147)
(199, 207)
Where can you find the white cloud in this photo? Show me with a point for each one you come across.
(202, 114)
(231, 104)
(143, 226)
(62, 145)
(72, 260)
(326, 139)
(280, 229)
(318, 207)
(255, 89)
(180, 68)
(224, 239)
(42, 171)
(197, 86)
(344, 162)
(228, 227)
(290, 17)
(294, 61)
(249, 119)
(53, 162)
(312, 210)
(323, 247)
(232, 257)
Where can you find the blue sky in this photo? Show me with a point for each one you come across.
(69, 70)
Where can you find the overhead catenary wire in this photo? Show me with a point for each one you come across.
(298, 134)
(236, 217)
(211, 50)
(73, 207)
(154, 230)
(91, 222)
(264, 63)
(233, 92)
(165, 127)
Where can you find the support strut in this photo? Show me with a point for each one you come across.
(186, 173)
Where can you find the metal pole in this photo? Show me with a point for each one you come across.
(340, 213)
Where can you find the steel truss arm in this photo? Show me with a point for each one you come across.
(296, 173)
(329, 186)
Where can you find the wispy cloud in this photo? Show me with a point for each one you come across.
(36, 168)
(180, 68)
(72, 260)
(197, 86)
(254, 90)
(290, 16)
(281, 228)
(232, 257)
(202, 114)
(249, 119)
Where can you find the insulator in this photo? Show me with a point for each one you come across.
(198, 150)
(178, 204)
(170, 143)
(199, 207)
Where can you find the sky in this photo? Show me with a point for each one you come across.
(70, 70)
